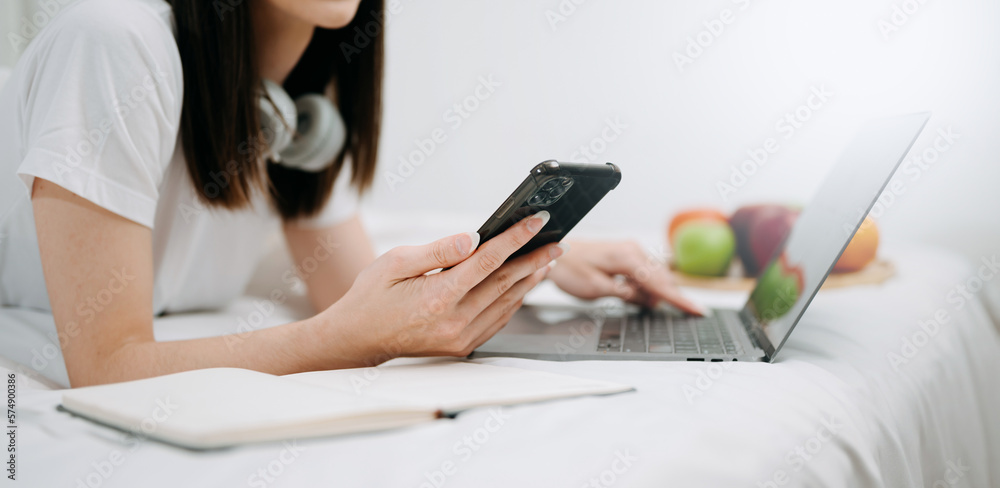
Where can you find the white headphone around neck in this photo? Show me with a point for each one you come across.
(308, 133)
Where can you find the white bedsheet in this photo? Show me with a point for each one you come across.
(833, 411)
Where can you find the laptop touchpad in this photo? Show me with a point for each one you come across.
(549, 330)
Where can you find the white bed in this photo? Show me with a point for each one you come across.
(832, 412)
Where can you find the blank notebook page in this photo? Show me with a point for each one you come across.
(454, 386)
(199, 407)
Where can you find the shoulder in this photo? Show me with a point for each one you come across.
(116, 20)
(125, 31)
(100, 93)
(119, 44)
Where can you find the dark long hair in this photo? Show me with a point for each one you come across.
(220, 125)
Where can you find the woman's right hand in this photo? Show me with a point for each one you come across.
(396, 307)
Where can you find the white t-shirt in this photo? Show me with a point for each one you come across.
(94, 105)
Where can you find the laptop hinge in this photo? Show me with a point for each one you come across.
(756, 333)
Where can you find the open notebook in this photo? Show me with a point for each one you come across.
(221, 407)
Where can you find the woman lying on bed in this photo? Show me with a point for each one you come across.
(154, 171)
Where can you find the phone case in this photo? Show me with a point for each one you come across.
(567, 190)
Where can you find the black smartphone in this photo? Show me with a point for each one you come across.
(567, 190)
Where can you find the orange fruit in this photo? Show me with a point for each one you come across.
(694, 214)
(861, 250)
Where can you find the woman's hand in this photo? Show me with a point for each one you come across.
(620, 269)
(396, 307)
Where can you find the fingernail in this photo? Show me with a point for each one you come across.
(564, 246)
(556, 251)
(537, 221)
(466, 243)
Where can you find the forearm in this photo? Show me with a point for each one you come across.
(307, 345)
(329, 260)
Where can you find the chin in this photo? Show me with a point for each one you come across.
(331, 14)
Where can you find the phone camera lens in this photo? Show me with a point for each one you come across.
(557, 192)
(551, 191)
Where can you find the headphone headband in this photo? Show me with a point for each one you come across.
(307, 134)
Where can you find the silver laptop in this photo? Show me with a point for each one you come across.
(779, 298)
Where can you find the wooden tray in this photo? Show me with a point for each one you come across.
(875, 273)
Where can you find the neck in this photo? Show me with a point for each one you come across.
(281, 40)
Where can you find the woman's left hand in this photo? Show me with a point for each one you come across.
(595, 269)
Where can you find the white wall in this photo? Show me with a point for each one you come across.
(614, 59)
(686, 129)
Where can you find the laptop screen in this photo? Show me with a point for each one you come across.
(825, 227)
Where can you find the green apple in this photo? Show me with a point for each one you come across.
(778, 288)
(704, 248)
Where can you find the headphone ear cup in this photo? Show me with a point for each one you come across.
(321, 135)
(278, 120)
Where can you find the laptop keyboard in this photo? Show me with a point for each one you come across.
(657, 332)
